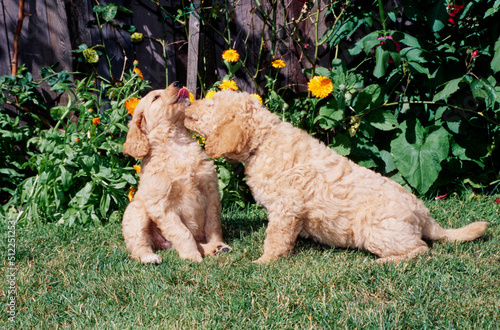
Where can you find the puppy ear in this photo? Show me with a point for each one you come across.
(137, 144)
(230, 137)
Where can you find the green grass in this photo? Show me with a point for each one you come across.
(83, 278)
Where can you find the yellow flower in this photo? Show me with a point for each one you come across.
(131, 104)
(77, 140)
(210, 94)
(131, 193)
(96, 120)
(191, 97)
(320, 86)
(137, 168)
(257, 96)
(201, 141)
(228, 84)
(139, 73)
(278, 64)
(230, 55)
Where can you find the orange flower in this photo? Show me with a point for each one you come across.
(210, 94)
(320, 86)
(137, 168)
(230, 55)
(96, 120)
(131, 193)
(278, 64)
(139, 73)
(131, 104)
(257, 96)
(77, 140)
(228, 84)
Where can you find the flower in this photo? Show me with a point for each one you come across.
(131, 193)
(320, 86)
(90, 56)
(441, 197)
(137, 37)
(228, 84)
(131, 104)
(96, 120)
(257, 96)
(454, 9)
(230, 55)
(210, 94)
(201, 140)
(474, 53)
(383, 42)
(137, 168)
(191, 97)
(77, 140)
(139, 73)
(497, 201)
(278, 64)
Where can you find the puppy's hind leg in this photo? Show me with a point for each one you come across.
(136, 233)
(174, 230)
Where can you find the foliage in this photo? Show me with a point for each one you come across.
(415, 98)
(418, 99)
(80, 172)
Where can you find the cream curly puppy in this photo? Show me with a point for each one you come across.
(311, 191)
(177, 202)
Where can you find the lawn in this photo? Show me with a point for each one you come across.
(82, 278)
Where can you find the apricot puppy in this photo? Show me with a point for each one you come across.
(177, 202)
(311, 191)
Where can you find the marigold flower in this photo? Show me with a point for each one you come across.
(210, 94)
(137, 37)
(131, 104)
(96, 120)
(257, 96)
(230, 55)
(191, 97)
(137, 168)
(77, 140)
(131, 193)
(320, 86)
(228, 84)
(139, 73)
(278, 64)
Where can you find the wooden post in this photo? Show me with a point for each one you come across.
(193, 46)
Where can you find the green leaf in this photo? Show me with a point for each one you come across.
(450, 88)
(66, 178)
(418, 154)
(329, 115)
(57, 112)
(104, 204)
(342, 145)
(495, 62)
(439, 16)
(382, 62)
(82, 197)
(381, 119)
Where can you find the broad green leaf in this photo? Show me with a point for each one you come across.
(342, 145)
(439, 16)
(418, 154)
(381, 119)
(382, 62)
(104, 204)
(329, 115)
(66, 178)
(450, 88)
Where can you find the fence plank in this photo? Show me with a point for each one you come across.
(193, 46)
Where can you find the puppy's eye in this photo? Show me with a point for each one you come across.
(156, 98)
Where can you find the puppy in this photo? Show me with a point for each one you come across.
(177, 202)
(311, 191)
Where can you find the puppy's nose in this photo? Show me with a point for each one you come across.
(177, 84)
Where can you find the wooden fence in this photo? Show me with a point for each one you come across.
(52, 28)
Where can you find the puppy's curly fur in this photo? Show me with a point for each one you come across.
(311, 191)
(177, 202)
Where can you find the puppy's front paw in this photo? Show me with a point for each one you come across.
(151, 258)
(222, 248)
(212, 249)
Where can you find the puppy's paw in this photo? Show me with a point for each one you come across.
(151, 258)
(212, 249)
(222, 248)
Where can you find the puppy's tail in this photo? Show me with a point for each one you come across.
(434, 231)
